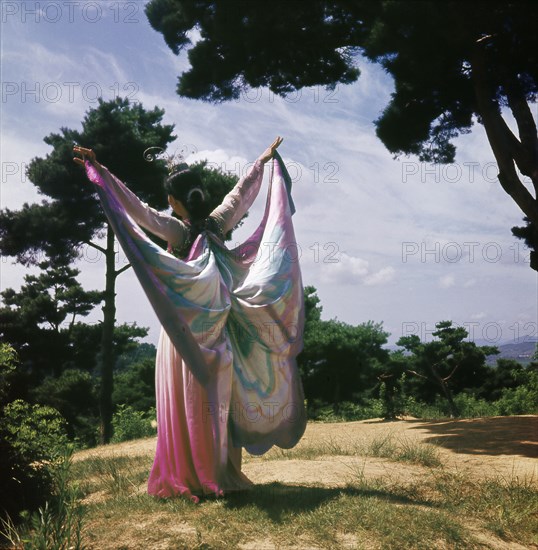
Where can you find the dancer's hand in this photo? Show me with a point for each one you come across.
(270, 151)
(85, 154)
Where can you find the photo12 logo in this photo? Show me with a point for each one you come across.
(424, 172)
(70, 11)
(453, 252)
(316, 173)
(314, 94)
(251, 412)
(491, 332)
(463, 172)
(68, 92)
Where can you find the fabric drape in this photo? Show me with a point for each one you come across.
(232, 323)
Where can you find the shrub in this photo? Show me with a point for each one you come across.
(522, 399)
(346, 411)
(471, 407)
(74, 395)
(56, 525)
(468, 405)
(135, 386)
(130, 424)
(33, 440)
(37, 431)
(8, 360)
(418, 409)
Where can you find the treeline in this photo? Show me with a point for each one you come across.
(349, 374)
(347, 371)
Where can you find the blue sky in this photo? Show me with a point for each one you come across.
(390, 240)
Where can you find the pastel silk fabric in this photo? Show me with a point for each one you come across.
(226, 374)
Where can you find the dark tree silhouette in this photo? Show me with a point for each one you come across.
(453, 63)
(71, 217)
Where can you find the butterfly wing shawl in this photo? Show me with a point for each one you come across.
(243, 305)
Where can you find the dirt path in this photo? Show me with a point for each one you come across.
(497, 446)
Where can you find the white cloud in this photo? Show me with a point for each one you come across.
(381, 277)
(477, 316)
(346, 269)
(447, 281)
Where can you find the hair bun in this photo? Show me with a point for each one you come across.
(195, 195)
(188, 187)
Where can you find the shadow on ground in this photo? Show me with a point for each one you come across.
(510, 435)
(279, 499)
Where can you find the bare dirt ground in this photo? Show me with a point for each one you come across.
(505, 447)
(482, 447)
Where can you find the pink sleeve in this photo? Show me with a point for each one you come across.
(237, 202)
(163, 225)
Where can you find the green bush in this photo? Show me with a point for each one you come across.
(36, 431)
(74, 395)
(468, 406)
(135, 385)
(393, 399)
(8, 360)
(33, 440)
(523, 399)
(57, 525)
(418, 409)
(38, 509)
(346, 410)
(471, 407)
(130, 424)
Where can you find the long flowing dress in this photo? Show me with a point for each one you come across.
(232, 323)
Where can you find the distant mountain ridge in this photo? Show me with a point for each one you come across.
(521, 351)
(518, 351)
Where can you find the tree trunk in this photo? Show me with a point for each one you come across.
(507, 149)
(454, 412)
(390, 408)
(107, 341)
(336, 396)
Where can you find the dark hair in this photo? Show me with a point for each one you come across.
(187, 186)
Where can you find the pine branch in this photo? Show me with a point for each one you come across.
(447, 378)
(417, 374)
(96, 246)
(120, 271)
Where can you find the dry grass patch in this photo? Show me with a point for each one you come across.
(387, 445)
(441, 511)
(358, 486)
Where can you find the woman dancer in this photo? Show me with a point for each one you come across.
(226, 376)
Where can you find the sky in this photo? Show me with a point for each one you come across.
(394, 241)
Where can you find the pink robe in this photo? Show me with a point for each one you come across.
(226, 375)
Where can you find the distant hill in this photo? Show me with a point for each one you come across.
(520, 351)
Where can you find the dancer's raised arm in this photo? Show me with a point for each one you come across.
(161, 224)
(237, 202)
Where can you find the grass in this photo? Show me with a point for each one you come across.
(405, 450)
(439, 509)
(114, 476)
(386, 446)
(432, 514)
(436, 508)
(506, 505)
